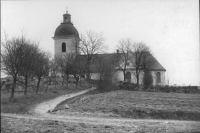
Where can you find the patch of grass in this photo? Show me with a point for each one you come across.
(60, 106)
(21, 104)
(158, 114)
(133, 104)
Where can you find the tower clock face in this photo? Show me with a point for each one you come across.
(63, 30)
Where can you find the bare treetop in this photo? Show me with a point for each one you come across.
(92, 43)
(124, 45)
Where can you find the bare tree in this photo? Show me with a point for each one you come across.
(30, 55)
(53, 69)
(60, 63)
(12, 57)
(122, 58)
(77, 69)
(140, 58)
(41, 67)
(90, 45)
(76, 73)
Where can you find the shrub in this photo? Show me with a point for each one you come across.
(106, 86)
(159, 88)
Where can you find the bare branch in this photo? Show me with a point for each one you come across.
(122, 58)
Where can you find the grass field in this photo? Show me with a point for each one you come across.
(135, 104)
(23, 103)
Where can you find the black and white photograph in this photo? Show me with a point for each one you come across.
(100, 66)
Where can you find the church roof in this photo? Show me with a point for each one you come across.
(66, 30)
(82, 58)
(156, 65)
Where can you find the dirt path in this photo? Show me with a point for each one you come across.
(51, 122)
(41, 113)
(94, 120)
(44, 107)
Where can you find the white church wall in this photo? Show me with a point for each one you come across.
(119, 76)
(134, 79)
(116, 76)
(162, 77)
(94, 76)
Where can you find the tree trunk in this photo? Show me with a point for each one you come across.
(88, 75)
(55, 81)
(38, 84)
(13, 87)
(67, 80)
(137, 79)
(47, 87)
(124, 75)
(99, 84)
(88, 72)
(76, 83)
(50, 81)
(26, 85)
(63, 81)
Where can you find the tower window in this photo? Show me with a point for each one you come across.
(63, 47)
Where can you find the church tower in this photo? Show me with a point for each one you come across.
(66, 37)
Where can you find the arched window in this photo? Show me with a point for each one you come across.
(158, 77)
(128, 75)
(63, 47)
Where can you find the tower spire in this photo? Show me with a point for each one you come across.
(66, 10)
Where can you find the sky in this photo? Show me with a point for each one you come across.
(169, 27)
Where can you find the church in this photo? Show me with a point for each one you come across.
(66, 40)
